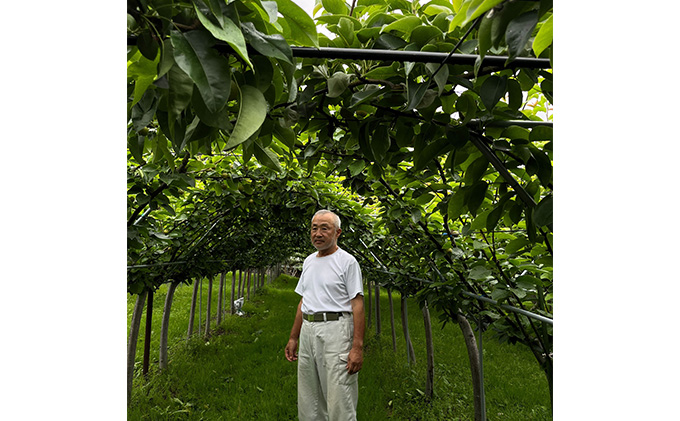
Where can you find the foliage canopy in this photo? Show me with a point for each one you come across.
(444, 171)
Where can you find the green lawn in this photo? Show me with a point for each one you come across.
(240, 371)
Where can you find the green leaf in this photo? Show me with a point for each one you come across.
(285, 134)
(337, 84)
(302, 27)
(424, 35)
(492, 90)
(220, 119)
(515, 94)
(467, 106)
(441, 77)
(484, 38)
(544, 37)
(380, 143)
(543, 213)
(476, 196)
(476, 169)
(531, 225)
(228, 32)
(364, 95)
(461, 14)
(144, 111)
(336, 7)
(147, 45)
(435, 10)
(494, 216)
(479, 273)
(266, 156)
(346, 31)
(167, 58)
(516, 245)
(271, 9)
(544, 171)
(515, 132)
(416, 215)
(456, 204)
(541, 133)
(356, 167)
(416, 92)
(136, 147)
(518, 32)
(479, 223)
(484, 7)
(251, 115)
(405, 24)
(209, 71)
(430, 152)
(500, 295)
(143, 72)
(528, 282)
(274, 45)
(424, 199)
(181, 87)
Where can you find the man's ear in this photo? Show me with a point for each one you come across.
(339, 232)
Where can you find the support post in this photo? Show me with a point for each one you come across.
(132, 341)
(378, 323)
(480, 349)
(147, 333)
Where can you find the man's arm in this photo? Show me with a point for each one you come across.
(356, 354)
(291, 347)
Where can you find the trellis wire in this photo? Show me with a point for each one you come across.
(479, 298)
(398, 55)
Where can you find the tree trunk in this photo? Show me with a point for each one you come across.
(220, 301)
(192, 312)
(147, 333)
(208, 306)
(249, 277)
(233, 286)
(410, 353)
(240, 283)
(200, 304)
(378, 322)
(370, 304)
(548, 370)
(394, 333)
(475, 366)
(429, 387)
(132, 341)
(165, 323)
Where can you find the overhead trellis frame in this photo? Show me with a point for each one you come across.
(418, 57)
(400, 56)
(425, 57)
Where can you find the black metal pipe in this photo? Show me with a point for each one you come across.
(418, 57)
(401, 56)
(475, 122)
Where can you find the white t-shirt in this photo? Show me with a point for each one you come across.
(328, 283)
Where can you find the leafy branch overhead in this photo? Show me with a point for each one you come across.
(234, 139)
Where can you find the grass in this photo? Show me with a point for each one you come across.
(239, 372)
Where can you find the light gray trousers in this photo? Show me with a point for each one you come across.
(325, 390)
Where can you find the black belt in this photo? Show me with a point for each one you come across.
(323, 317)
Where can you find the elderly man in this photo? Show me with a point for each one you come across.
(329, 326)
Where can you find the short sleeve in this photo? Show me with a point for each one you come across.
(354, 283)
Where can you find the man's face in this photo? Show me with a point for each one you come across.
(324, 235)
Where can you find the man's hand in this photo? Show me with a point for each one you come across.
(291, 350)
(355, 360)
(291, 347)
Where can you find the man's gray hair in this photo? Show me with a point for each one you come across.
(336, 218)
